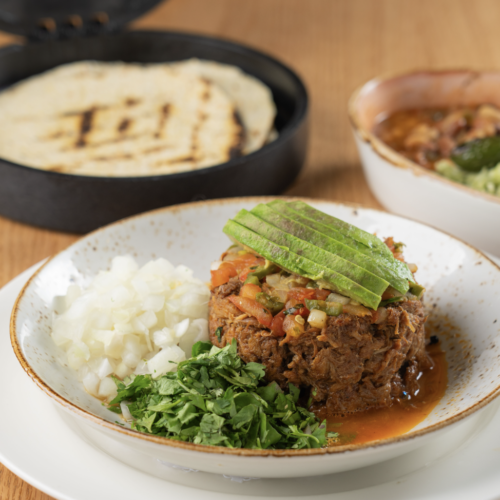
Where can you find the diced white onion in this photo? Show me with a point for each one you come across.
(78, 354)
(281, 295)
(335, 297)
(154, 302)
(381, 315)
(114, 345)
(91, 383)
(166, 361)
(412, 267)
(105, 368)
(131, 359)
(148, 319)
(181, 328)
(122, 370)
(197, 331)
(126, 412)
(317, 318)
(273, 280)
(126, 317)
(59, 304)
(107, 388)
(215, 265)
(164, 337)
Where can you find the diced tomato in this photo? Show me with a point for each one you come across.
(230, 268)
(253, 308)
(292, 327)
(277, 324)
(321, 294)
(248, 260)
(395, 248)
(223, 274)
(250, 291)
(246, 264)
(244, 274)
(301, 294)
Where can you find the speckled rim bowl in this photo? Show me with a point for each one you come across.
(406, 188)
(463, 293)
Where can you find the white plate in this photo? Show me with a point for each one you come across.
(37, 444)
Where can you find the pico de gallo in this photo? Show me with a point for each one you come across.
(283, 302)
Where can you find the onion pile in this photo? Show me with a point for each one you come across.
(130, 320)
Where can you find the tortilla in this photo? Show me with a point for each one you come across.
(117, 119)
(253, 99)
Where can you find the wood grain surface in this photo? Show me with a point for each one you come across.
(335, 45)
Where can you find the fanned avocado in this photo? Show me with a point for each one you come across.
(400, 268)
(314, 253)
(300, 265)
(374, 264)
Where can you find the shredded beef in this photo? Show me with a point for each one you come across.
(351, 364)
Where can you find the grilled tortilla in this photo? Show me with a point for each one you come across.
(253, 99)
(117, 119)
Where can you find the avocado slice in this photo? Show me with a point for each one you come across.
(300, 265)
(345, 228)
(386, 257)
(318, 255)
(373, 264)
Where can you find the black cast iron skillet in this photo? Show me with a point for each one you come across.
(81, 203)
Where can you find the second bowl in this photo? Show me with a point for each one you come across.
(406, 188)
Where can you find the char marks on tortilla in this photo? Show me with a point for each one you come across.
(118, 119)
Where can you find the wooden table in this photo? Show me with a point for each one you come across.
(335, 45)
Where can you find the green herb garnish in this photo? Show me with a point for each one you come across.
(216, 399)
(218, 333)
(391, 301)
(293, 310)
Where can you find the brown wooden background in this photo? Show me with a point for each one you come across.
(335, 45)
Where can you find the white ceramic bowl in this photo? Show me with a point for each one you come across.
(402, 186)
(463, 294)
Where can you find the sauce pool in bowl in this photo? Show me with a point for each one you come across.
(399, 418)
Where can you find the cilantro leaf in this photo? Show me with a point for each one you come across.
(218, 333)
(200, 348)
(215, 399)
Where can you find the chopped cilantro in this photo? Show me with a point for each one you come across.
(218, 333)
(214, 398)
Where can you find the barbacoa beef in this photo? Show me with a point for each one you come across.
(352, 364)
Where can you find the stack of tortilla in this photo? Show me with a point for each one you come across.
(119, 119)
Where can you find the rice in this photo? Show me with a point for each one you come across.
(130, 320)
